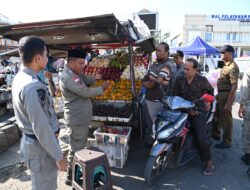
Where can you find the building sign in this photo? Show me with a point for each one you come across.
(240, 18)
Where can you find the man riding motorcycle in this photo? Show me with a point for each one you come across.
(191, 87)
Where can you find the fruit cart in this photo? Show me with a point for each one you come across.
(123, 70)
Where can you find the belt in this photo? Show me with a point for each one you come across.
(35, 138)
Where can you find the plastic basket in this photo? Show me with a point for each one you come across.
(117, 155)
(113, 139)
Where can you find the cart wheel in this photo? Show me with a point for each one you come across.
(248, 171)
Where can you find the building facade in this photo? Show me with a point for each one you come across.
(218, 30)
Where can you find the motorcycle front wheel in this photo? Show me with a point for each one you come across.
(155, 166)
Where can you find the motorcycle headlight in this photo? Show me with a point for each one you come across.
(165, 133)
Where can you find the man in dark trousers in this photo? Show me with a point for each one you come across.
(227, 85)
(191, 87)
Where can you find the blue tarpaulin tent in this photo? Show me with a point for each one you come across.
(196, 47)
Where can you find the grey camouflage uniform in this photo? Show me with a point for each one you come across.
(78, 108)
(245, 101)
(35, 115)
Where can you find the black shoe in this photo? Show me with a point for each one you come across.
(222, 146)
(216, 138)
(246, 159)
(68, 182)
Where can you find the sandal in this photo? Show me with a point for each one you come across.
(209, 171)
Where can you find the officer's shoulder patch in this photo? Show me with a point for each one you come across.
(41, 94)
(75, 79)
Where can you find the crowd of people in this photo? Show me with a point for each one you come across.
(33, 105)
(186, 82)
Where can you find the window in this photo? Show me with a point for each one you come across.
(208, 36)
(238, 37)
(209, 28)
(228, 36)
(234, 37)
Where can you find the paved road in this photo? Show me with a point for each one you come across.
(230, 173)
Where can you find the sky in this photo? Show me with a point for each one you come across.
(171, 12)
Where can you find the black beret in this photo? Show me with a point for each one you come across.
(76, 53)
(227, 48)
(179, 53)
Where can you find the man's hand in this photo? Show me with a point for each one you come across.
(193, 113)
(162, 81)
(148, 84)
(48, 74)
(105, 85)
(208, 106)
(61, 164)
(228, 107)
(241, 111)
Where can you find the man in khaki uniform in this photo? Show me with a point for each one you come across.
(227, 86)
(77, 96)
(244, 112)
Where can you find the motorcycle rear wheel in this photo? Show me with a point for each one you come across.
(155, 166)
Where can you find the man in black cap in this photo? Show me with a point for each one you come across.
(77, 96)
(227, 86)
(178, 59)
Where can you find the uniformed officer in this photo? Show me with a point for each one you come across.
(227, 86)
(77, 96)
(244, 112)
(35, 115)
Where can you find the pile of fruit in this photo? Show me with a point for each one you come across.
(113, 130)
(140, 71)
(139, 60)
(100, 62)
(108, 110)
(119, 61)
(118, 90)
(104, 73)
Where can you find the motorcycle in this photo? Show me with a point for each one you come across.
(174, 145)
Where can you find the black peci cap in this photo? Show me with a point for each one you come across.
(227, 48)
(76, 53)
(179, 53)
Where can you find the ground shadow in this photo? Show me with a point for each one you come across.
(132, 176)
(16, 171)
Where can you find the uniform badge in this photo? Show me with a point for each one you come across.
(76, 79)
(42, 95)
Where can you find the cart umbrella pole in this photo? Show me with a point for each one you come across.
(132, 71)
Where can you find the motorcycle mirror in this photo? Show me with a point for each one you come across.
(208, 98)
